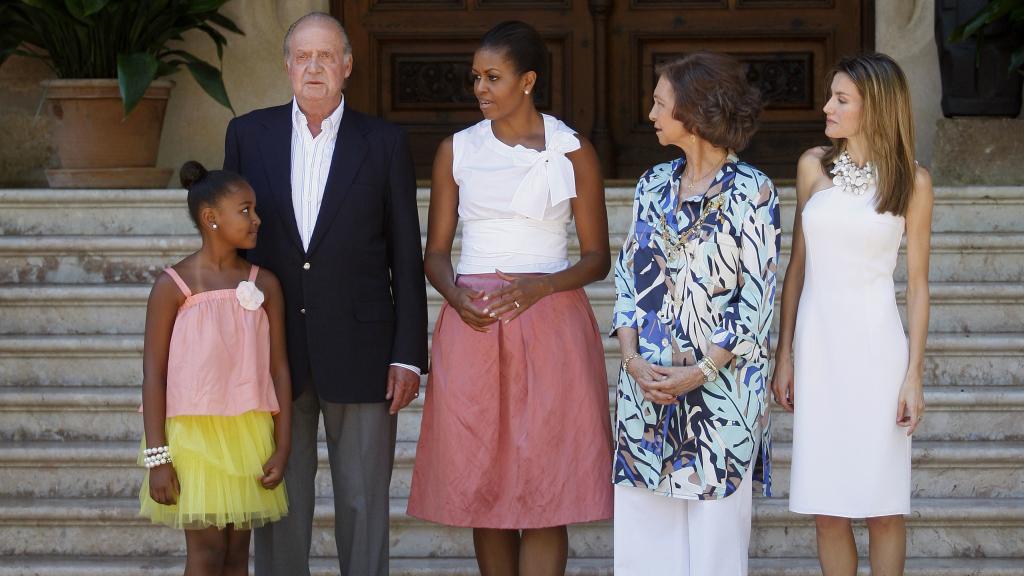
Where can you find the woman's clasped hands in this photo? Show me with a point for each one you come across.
(480, 309)
(664, 384)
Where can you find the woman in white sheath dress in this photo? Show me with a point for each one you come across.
(843, 364)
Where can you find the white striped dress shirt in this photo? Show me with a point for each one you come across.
(311, 163)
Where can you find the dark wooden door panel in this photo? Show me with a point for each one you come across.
(412, 62)
(788, 68)
(425, 84)
(412, 59)
(787, 47)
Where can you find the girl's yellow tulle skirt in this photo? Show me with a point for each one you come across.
(219, 461)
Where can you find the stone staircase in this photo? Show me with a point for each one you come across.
(75, 270)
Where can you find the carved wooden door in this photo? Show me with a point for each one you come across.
(787, 45)
(412, 61)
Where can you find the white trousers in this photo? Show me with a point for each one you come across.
(661, 536)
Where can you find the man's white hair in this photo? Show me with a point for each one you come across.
(318, 17)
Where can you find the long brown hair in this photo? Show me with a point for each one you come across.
(887, 122)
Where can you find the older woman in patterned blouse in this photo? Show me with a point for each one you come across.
(695, 284)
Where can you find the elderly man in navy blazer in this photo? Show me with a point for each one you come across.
(337, 195)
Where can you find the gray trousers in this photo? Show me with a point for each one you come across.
(361, 450)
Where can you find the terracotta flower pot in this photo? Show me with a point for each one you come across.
(97, 145)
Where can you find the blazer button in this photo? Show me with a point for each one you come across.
(302, 310)
(305, 266)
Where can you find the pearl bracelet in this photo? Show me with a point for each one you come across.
(157, 456)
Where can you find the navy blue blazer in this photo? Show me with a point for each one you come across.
(356, 299)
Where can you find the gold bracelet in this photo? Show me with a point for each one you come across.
(630, 358)
(708, 368)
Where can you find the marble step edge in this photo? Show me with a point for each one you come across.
(117, 454)
(925, 512)
(976, 343)
(614, 194)
(167, 244)
(324, 566)
(106, 398)
(603, 291)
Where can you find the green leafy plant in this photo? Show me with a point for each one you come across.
(131, 40)
(1012, 11)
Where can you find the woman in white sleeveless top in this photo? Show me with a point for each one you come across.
(843, 364)
(516, 439)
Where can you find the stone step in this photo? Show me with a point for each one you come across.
(117, 212)
(31, 212)
(71, 360)
(73, 308)
(68, 390)
(962, 209)
(105, 359)
(107, 469)
(955, 413)
(321, 566)
(172, 566)
(956, 209)
(955, 257)
(940, 470)
(937, 528)
(121, 308)
(982, 413)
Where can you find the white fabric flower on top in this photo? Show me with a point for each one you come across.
(550, 179)
(248, 295)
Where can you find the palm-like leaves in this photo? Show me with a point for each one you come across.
(996, 10)
(124, 39)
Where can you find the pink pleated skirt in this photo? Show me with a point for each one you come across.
(516, 429)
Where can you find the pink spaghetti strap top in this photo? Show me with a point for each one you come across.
(219, 360)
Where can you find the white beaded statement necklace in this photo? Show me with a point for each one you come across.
(850, 177)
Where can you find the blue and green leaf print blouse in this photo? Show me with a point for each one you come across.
(716, 288)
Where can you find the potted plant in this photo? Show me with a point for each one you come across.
(981, 51)
(111, 58)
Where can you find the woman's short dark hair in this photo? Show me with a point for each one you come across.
(713, 98)
(205, 187)
(520, 43)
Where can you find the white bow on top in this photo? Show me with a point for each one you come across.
(550, 180)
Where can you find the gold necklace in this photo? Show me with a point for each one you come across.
(674, 246)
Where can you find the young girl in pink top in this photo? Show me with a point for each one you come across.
(216, 392)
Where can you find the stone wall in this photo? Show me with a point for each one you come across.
(905, 30)
(253, 70)
(253, 73)
(24, 147)
(194, 127)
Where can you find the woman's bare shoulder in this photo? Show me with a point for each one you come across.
(810, 174)
(814, 154)
(923, 195)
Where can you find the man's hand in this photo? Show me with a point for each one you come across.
(403, 388)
